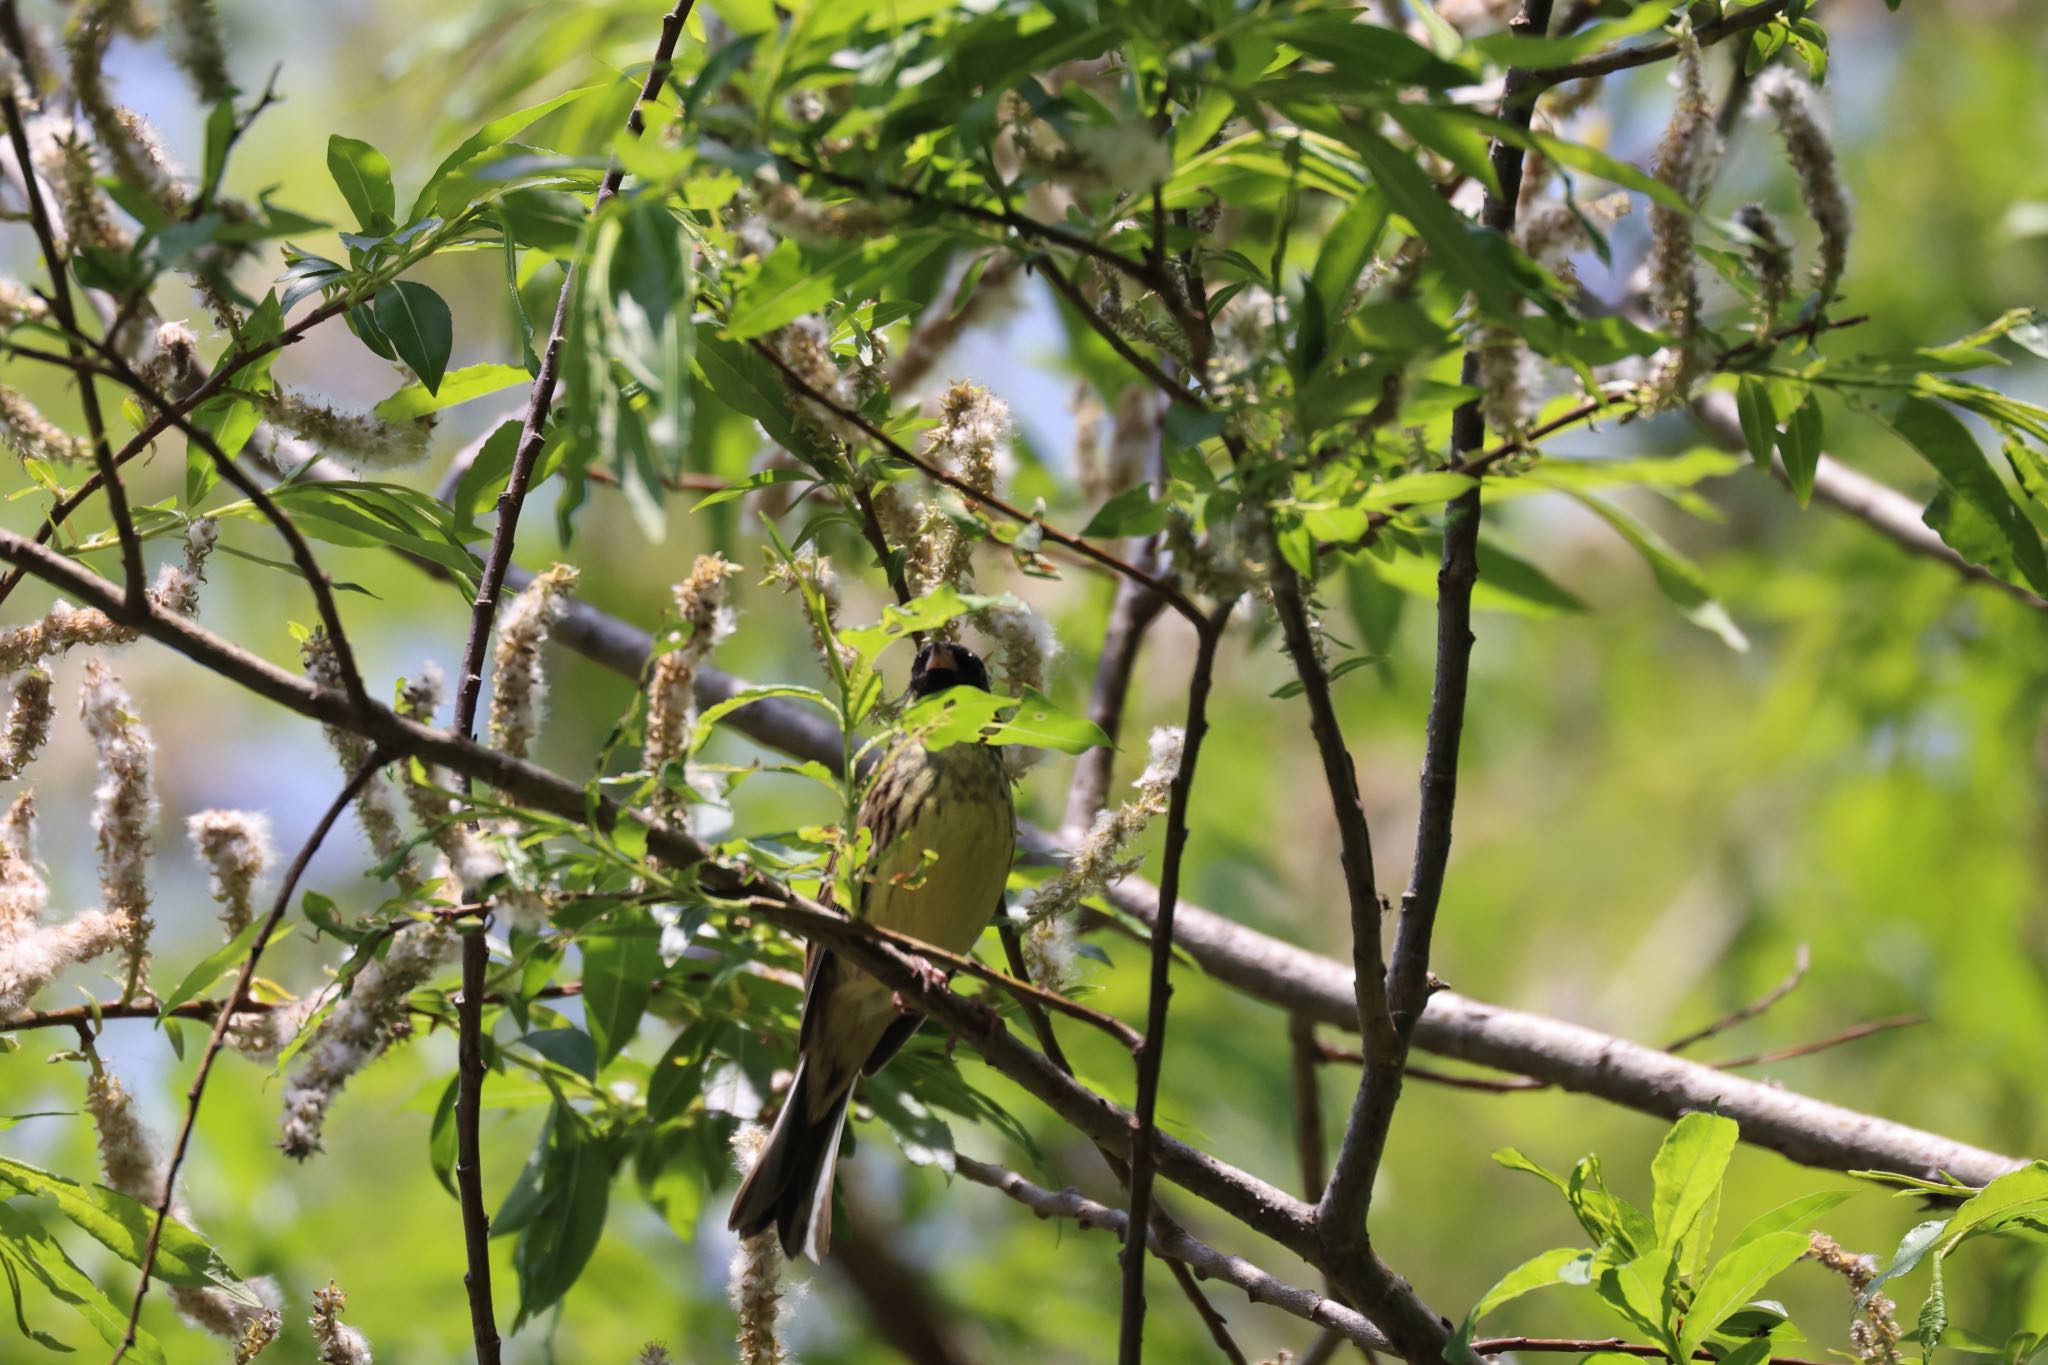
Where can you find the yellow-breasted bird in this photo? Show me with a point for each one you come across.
(943, 831)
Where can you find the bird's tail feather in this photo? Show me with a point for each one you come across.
(790, 1186)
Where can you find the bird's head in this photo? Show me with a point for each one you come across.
(941, 665)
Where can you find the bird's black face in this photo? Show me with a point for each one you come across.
(941, 665)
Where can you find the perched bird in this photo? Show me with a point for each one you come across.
(943, 832)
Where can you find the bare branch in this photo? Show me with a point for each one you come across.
(1131, 1334)
(1801, 960)
(1258, 1285)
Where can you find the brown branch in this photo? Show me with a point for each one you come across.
(1802, 959)
(469, 1176)
(1833, 1040)
(1622, 59)
(1265, 1208)
(225, 1017)
(67, 319)
(1583, 1060)
(1131, 1333)
(1259, 1286)
(1342, 1214)
(1303, 1054)
(897, 450)
(162, 421)
(1019, 223)
(1496, 1346)
(1144, 365)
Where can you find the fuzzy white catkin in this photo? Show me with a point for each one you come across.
(358, 1028)
(700, 610)
(1097, 863)
(339, 1343)
(125, 809)
(377, 809)
(29, 714)
(24, 895)
(519, 674)
(1795, 106)
(235, 846)
(755, 1282)
(66, 627)
(1685, 159)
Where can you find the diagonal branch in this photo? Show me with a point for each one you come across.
(225, 1018)
(476, 1220)
(1586, 1061)
(61, 307)
(1206, 1261)
(897, 450)
(1342, 1215)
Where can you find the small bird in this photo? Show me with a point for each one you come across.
(944, 830)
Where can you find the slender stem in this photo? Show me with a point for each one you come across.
(476, 1220)
(67, 318)
(225, 1018)
(1304, 1055)
(1622, 59)
(1342, 1215)
(1131, 1334)
(469, 1178)
(1178, 600)
(1802, 958)
(1071, 292)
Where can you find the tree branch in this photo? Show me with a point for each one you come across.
(1206, 1261)
(1617, 1071)
(1342, 1215)
(225, 1018)
(897, 450)
(67, 319)
(1131, 1332)
(1622, 59)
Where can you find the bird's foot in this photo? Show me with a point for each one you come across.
(931, 978)
(987, 1023)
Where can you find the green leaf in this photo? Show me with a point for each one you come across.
(470, 382)
(1793, 1216)
(565, 1204)
(1370, 53)
(1677, 577)
(1538, 1272)
(783, 288)
(122, 1225)
(747, 696)
(25, 1243)
(1945, 443)
(1452, 239)
(569, 1048)
(1644, 1292)
(1130, 513)
(1687, 1172)
(1538, 53)
(1759, 419)
(679, 1075)
(418, 324)
(765, 478)
(216, 965)
(1736, 1279)
(484, 139)
(363, 175)
(1913, 1247)
(924, 1137)
(1799, 446)
(618, 974)
(1346, 249)
(1040, 724)
(935, 608)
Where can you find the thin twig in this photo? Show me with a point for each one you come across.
(1802, 959)
(1207, 1261)
(476, 1219)
(225, 1018)
(1343, 1212)
(1131, 1333)
(1303, 1054)
(1068, 290)
(1622, 59)
(1833, 1040)
(897, 450)
(67, 318)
